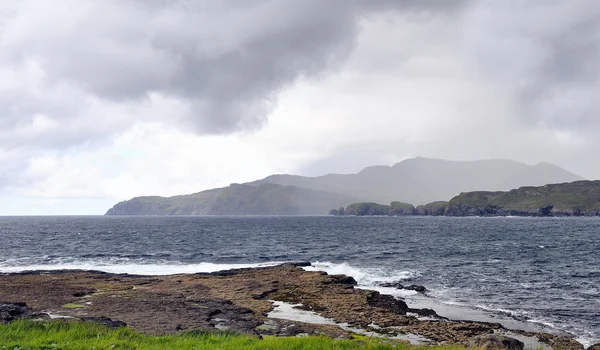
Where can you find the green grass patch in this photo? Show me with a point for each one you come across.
(70, 335)
(73, 306)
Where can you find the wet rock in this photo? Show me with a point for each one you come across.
(167, 304)
(82, 293)
(396, 285)
(594, 347)
(496, 342)
(387, 302)
(12, 311)
(557, 342)
(425, 312)
(343, 279)
(416, 288)
(105, 321)
(263, 295)
(287, 328)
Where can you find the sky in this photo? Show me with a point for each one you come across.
(101, 101)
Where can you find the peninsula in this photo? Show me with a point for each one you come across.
(579, 198)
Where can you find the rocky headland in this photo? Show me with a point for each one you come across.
(236, 199)
(579, 198)
(239, 300)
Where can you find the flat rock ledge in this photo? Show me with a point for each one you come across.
(235, 299)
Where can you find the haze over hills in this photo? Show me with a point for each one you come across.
(264, 199)
(424, 180)
(415, 181)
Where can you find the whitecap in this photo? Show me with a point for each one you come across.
(136, 268)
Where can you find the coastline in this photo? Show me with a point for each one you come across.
(241, 299)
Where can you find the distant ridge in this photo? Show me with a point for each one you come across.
(424, 180)
(415, 181)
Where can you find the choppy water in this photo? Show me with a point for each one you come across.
(538, 270)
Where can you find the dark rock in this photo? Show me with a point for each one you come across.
(594, 347)
(496, 341)
(425, 312)
(396, 285)
(12, 311)
(387, 302)
(214, 312)
(264, 294)
(83, 293)
(546, 211)
(105, 321)
(334, 212)
(343, 279)
(416, 288)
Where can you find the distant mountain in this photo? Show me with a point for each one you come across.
(415, 181)
(423, 180)
(264, 199)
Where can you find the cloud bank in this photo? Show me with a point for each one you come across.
(106, 100)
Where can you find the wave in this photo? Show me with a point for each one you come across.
(130, 266)
(368, 277)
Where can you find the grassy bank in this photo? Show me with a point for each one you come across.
(73, 335)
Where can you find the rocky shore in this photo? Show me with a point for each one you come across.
(239, 300)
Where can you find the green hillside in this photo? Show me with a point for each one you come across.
(579, 198)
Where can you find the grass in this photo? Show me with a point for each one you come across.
(70, 335)
(73, 306)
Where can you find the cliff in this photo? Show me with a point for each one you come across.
(579, 198)
(265, 199)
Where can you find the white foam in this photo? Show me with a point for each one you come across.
(135, 268)
(367, 278)
(363, 276)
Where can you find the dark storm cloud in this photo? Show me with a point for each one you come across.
(227, 60)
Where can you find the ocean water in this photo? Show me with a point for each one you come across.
(539, 271)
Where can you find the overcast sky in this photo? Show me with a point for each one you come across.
(101, 101)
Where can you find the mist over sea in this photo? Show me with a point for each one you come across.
(535, 270)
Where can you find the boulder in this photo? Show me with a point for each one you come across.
(11, 311)
(416, 288)
(396, 285)
(387, 302)
(425, 312)
(343, 279)
(495, 342)
(594, 347)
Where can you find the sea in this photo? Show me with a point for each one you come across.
(529, 273)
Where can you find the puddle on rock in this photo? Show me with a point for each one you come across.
(291, 312)
(532, 343)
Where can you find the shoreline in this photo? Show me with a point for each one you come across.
(240, 299)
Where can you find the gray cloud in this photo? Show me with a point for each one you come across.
(546, 52)
(75, 72)
(227, 60)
